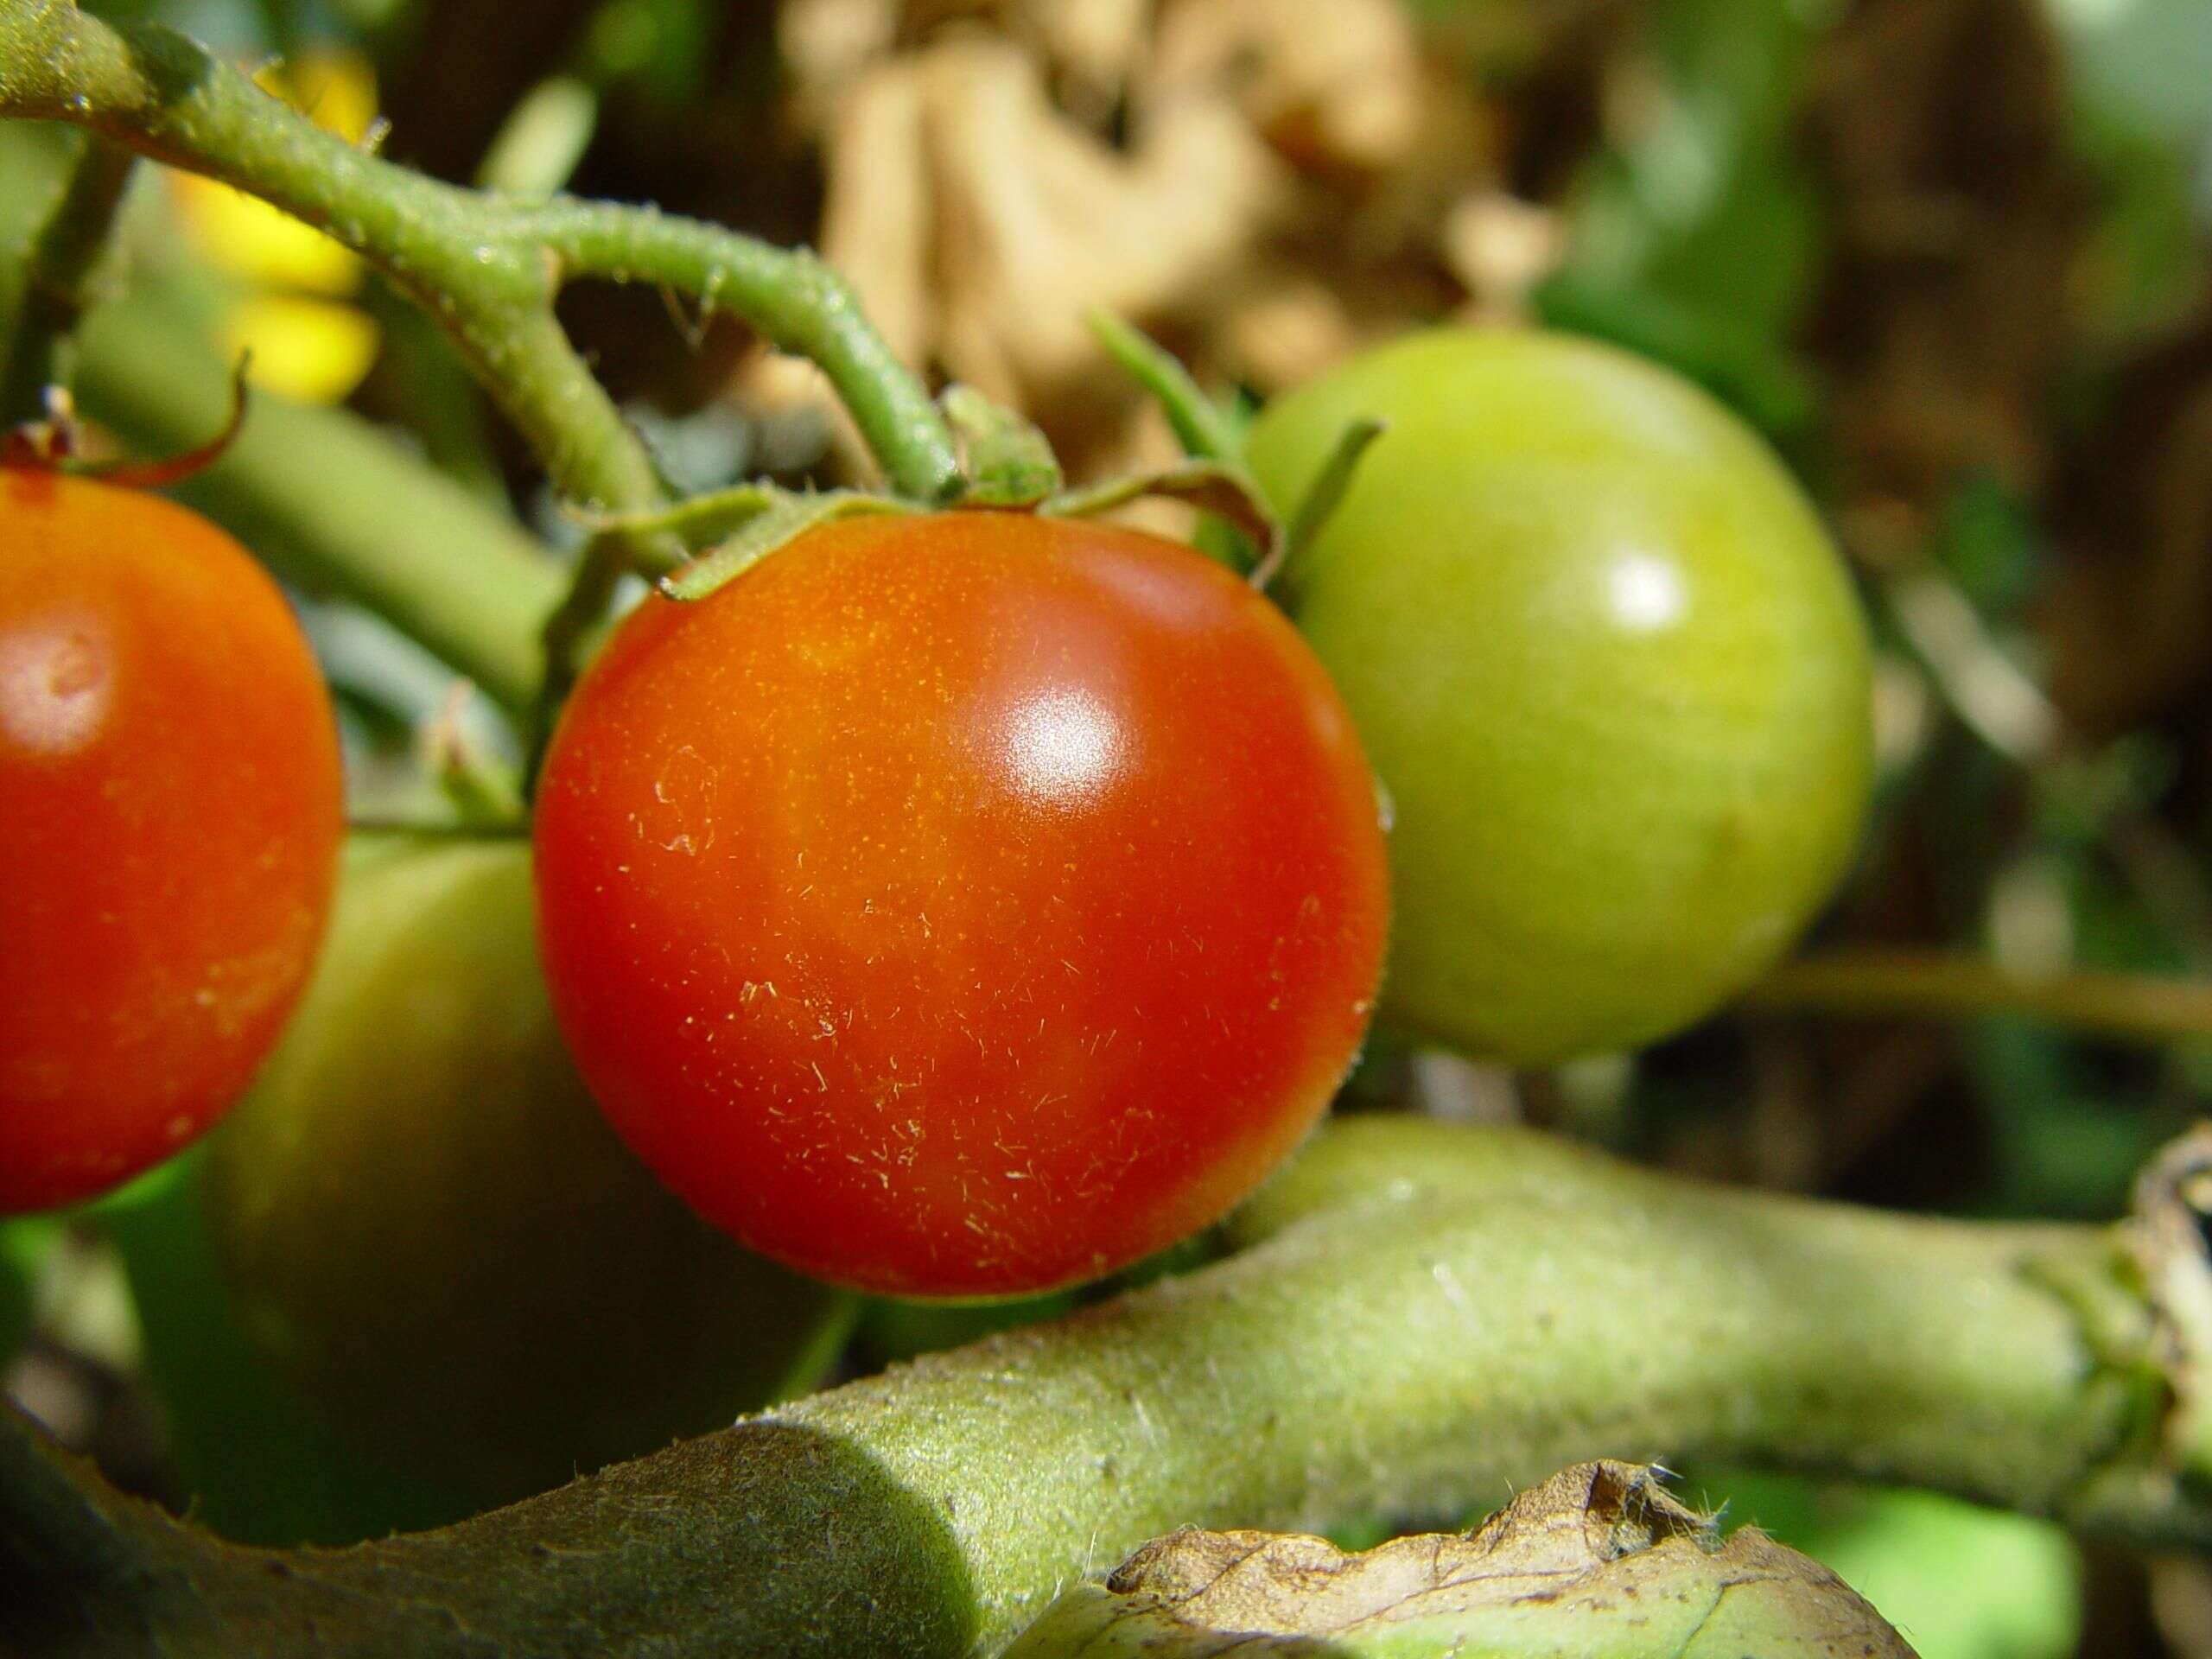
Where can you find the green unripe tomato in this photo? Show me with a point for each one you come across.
(258, 1462)
(433, 1231)
(1607, 663)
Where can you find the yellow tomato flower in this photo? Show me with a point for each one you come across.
(315, 351)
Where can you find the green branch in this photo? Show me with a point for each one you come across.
(332, 504)
(1929, 984)
(488, 266)
(1419, 1318)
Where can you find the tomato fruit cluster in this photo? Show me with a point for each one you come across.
(966, 905)
(431, 1230)
(1609, 666)
(170, 810)
(960, 906)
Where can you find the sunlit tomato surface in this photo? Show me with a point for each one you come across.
(960, 906)
(169, 818)
(1609, 666)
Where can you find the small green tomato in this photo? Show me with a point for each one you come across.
(1607, 663)
(432, 1230)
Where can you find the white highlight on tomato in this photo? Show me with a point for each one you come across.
(54, 688)
(1064, 746)
(1645, 592)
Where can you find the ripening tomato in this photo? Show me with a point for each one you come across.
(430, 1229)
(170, 809)
(960, 906)
(1607, 663)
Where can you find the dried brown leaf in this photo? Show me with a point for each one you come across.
(1598, 1561)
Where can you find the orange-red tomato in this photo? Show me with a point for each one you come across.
(170, 810)
(960, 906)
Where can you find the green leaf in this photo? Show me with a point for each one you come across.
(25, 1242)
(2139, 92)
(1695, 235)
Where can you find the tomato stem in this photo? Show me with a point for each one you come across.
(1009, 462)
(1933, 984)
(61, 280)
(464, 828)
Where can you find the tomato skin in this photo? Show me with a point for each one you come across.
(170, 810)
(1607, 663)
(429, 1229)
(962, 906)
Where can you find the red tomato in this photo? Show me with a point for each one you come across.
(170, 810)
(960, 906)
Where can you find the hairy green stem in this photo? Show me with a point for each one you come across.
(488, 266)
(1419, 1319)
(2130, 1008)
(58, 278)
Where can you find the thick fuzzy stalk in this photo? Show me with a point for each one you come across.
(1419, 1319)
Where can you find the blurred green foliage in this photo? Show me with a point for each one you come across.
(1694, 234)
(1958, 1582)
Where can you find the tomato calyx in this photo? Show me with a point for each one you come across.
(693, 547)
(1213, 436)
(55, 444)
(46, 444)
(1006, 461)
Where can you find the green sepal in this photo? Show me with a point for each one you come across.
(1009, 463)
(697, 521)
(1322, 498)
(1219, 488)
(1210, 433)
(1202, 426)
(787, 518)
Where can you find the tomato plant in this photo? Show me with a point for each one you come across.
(962, 904)
(170, 807)
(428, 1226)
(1607, 663)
